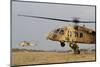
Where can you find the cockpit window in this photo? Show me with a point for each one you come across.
(56, 31)
(61, 32)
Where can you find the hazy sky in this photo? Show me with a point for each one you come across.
(34, 29)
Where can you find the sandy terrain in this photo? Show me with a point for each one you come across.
(27, 57)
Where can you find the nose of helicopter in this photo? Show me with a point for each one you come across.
(51, 36)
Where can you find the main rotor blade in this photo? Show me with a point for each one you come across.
(86, 21)
(57, 19)
(46, 18)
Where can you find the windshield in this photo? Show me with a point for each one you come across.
(60, 31)
(57, 30)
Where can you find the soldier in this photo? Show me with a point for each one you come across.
(74, 47)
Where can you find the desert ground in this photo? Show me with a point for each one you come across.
(41, 57)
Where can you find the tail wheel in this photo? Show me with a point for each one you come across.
(62, 44)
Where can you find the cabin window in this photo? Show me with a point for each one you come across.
(76, 34)
(81, 35)
(93, 33)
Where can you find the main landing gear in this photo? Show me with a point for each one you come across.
(73, 46)
(62, 44)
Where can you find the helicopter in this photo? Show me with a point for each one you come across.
(26, 43)
(71, 34)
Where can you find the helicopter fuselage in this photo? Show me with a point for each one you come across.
(76, 33)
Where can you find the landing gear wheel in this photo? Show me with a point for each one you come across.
(62, 44)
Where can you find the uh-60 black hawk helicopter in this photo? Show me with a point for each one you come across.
(72, 34)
